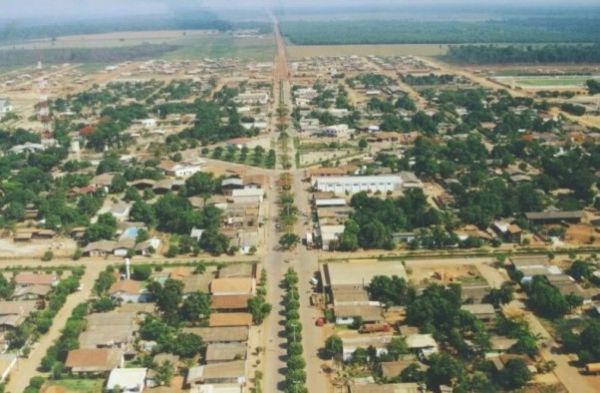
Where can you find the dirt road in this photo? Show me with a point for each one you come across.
(27, 368)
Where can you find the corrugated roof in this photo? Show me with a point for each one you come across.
(230, 319)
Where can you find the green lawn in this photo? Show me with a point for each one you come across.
(80, 385)
(223, 46)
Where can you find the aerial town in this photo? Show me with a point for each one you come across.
(296, 216)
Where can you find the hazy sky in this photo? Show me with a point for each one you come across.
(90, 8)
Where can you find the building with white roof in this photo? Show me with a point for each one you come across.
(355, 184)
(127, 380)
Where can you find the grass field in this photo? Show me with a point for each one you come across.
(428, 50)
(558, 81)
(224, 45)
(195, 44)
(80, 385)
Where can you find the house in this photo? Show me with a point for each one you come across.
(410, 180)
(393, 369)
(224, 334)
(355, 184)
(102, 181)
(407, 387)
(484, 312)
(101, 248)
(5, 107)
(94, 360)
(425, 344)
(120, 211)
(180, 169)
(247, 195)
(148, 247)
(224, 352)
(230, 184)
(229, 302)
(377, 341)
(555, 217)
(233, 286)
(218, 373)
(196, 233)
(8, 361)
(128, 291)
(349, 314)
(511, 233)
(358, 275)
(230, 319)
(31, 292)
(127, 380)
(25, 279)
(109, 330)
(14, 313)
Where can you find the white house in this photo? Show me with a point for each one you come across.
(149, 123)
(180, 169)
(128, 291)
(121, 211)
(338, 131)
(127, 380)
(354, 184)
(5, 107)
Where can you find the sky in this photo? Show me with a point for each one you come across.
(14, 9)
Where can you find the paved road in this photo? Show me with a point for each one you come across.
(27, 368)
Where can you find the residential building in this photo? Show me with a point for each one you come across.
(94, 360)
(127, 380)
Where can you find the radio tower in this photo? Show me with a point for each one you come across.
(42, 105)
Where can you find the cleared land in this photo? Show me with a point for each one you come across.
(113, 47)
(562, 81)
(429, 50)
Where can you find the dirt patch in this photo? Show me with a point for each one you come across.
(582, 234)
(444, 274)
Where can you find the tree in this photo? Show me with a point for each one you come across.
(168, 297)
(391, 290)
(104, 281)
(141, 272)
(104, 228)
(6, 288)
(118, 184)
(547, 299)
(502, 295)
(200, 183)
(334, 347)
(593, 86)
(164, 373)
(153, 329)
(397, 347)
(259, 308)
(288, 240)
(186, 345)
(104, 304)
(196, 307)
(442, 371)
(515, 374)
(590, 343)
(412, 373)
(362, 144)
(214, 242)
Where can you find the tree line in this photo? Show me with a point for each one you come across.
(491, 54)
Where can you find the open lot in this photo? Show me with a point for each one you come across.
(79, 385)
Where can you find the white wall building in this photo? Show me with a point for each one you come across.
(354, 184)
